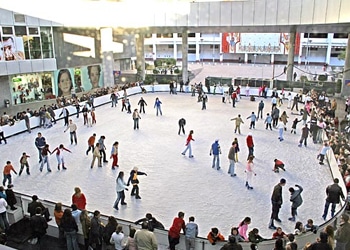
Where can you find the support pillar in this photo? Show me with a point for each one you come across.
(140, 56)
(290, 66)
(184, 56)
(272, 58)
(329, 48)
(345, 91)
(107, 56)
(245, 57)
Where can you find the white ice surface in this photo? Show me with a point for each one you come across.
(174, 182)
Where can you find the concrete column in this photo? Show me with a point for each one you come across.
(198, 47)
(107, 56)
(346, 77)
(272, 58)
(246, 57)
(184, 56)
(140, 55)
(329, 47)
(290, 66)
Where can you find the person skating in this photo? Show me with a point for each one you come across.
(73, 131)
(260, 109)
(276, 200)
(91, 144)
(215, 150)
(7, 173)
(45, 156)
(278, 164)
(280, 127)
(334, 193)
(157, 105)
(24, 163)
(239, 121)
(114, 154)
(142, 104)
(40, 142)
(252, 118)
(182, 123)
(250, 145)
(304, 135)
(296, 199)
(236, 149)
(136, 117)
(188, 144)
(268, 121)
(59, 155)
(231, 158)
(294, 125)
(102, 148)
(134, 181)
(249, 172)
(323, 153)
(204, 101)
(120, 187)
(96, 154)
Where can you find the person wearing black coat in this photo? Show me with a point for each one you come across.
(11, 198)
(70, 229)
(276, 200)
(151, 222)
(232, 244)
(134, 181)
(96, 231)
(182, 123)
(296, 199)
(334, 193)
(38, 225)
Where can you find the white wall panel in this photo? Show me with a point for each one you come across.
(248, 13)
(214, 13)
(37, 65)
(193, 15)
(271, 13)
(307, 12)
(25, 66)
(259, 12)
(344, 15)
(6, 17)
(50, 64)
(181, 20)
(3, 68)
(225, 13)
(333, 11)
(32, 21)
(283, 12)
(13, 67)
(320, 12)
(204, 14)
(237, 13)
(159, 18)
(294, 11)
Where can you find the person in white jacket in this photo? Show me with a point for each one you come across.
(120, 187)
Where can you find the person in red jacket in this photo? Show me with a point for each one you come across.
(188, 145)
(78, 198)
(250, 145)
(214, 236)
(175, 229)
(278, 164)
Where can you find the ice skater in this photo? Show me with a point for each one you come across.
(120, 187)
(91, 143)
(45, 156)
(280, 127)
(268, 121)
(261, 109)
(114, 155)
(304, 135)
(188, 144)
(136, 117)
(73, 131)
(7, 173)
(204, 101)
(96, 153)
(236, 149)
(249, 172)
(142, 104)
(134, 181)
(231, 158)
(239, 121)
(250, 145)
(276, 200)
(252, 118)
(182, 123)
(323, 153)
(294, 125)
(24, 163)
(157, 105)
(278, 164)
(59, 156)
(215, 150)
(296, 199)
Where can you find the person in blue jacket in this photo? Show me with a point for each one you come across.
(215, 150)
(134, 181)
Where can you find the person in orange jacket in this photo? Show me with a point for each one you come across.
(7, 173)
(214, 236)
(278, 164)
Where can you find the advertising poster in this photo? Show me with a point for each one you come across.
(64, 81)
(11, 48)
(91, 77)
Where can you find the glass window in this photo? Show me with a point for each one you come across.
(46, 41)
(7, 31)
(19, 18)
(191, 34)
(20, 30)
(26, 46)
(340, 35)
(33, 31)
(35, 48)
(179, 34)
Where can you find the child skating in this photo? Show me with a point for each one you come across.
(188, 145)
(59, 156)
(24, 163)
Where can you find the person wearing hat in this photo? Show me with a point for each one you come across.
(134, 181)
(215, 150)
(34, 204)
(276, 200)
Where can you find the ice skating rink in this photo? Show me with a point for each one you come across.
(175, 182)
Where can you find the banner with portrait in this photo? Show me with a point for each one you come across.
(11, 48)
(91, 77)
(64, 82)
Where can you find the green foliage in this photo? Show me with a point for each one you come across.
(155, 71)
(149, 79)
(322, 78)
(303, 78)
(330, 91)
(177, 71)
(338, 86)
(342, 55)
(163, 80)
(164, 61)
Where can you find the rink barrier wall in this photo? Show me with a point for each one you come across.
(20, 127)
(161, 235)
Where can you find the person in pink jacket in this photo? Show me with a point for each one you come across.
(243, 228)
